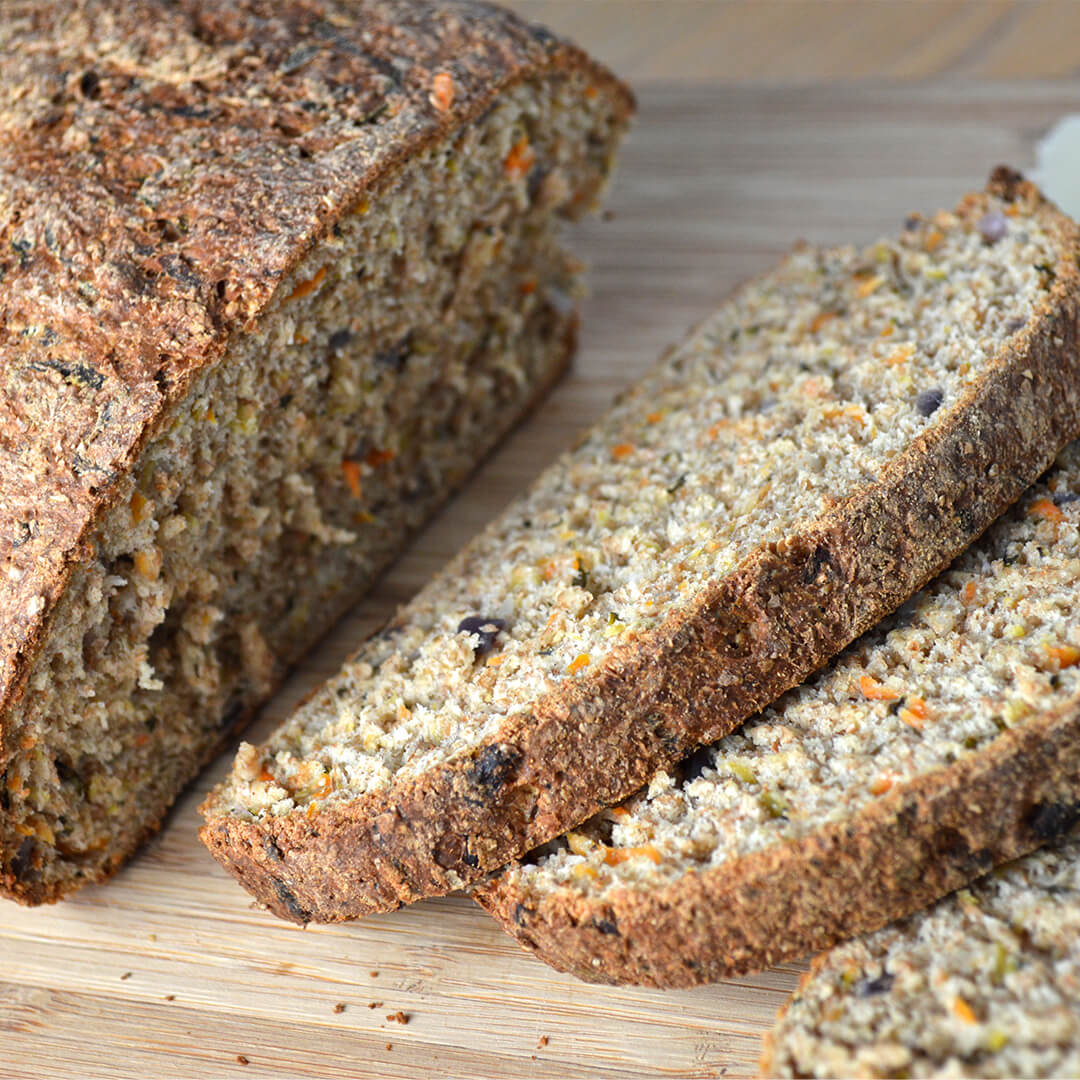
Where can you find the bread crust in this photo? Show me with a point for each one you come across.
(751, 636)
(155, 194)
(905, 850)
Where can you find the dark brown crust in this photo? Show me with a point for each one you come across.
(749, 638)
(896, 857)
(154, 195)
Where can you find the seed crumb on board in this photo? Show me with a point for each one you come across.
(542, 1042)
(373, 974)
(374, 1004)
(389, 1046)
(170, 997)
(339, 1007)
(126, 975)
(241, 1060)
(398, 1017)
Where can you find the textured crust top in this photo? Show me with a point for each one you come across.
(709, 665)
(163, 166)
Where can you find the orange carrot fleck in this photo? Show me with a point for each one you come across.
(266, 776)
(655, 417)
(375, 458)
(442, 91)
(615, 856)
(520, 160)
(1065, 655)
(621, 450)
(351, 472)
(1046, 509)
(964, 1011)
(934, 239)
(820, 319)
(580, 661)
(142, 740)
(969, 593)
(591, 92)
(306, 288)
(888, 331)
(873, 690)
(881, 785)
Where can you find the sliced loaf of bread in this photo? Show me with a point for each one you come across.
(820, 447)
(984, 984)
(943, 742)
(274, 276)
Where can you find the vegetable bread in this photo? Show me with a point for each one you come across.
(983, 984)
(274, 276)
(943, 742)
(818, 449)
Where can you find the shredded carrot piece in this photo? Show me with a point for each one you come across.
(1012, 210)
(615, 856)
(442, 91)
(969, 593)
(591, 92)
(351, 472)
(881, 785)
(619, 812)
(934, 239)
(140, 508)
(621, 450)
(551, 568)
(267, 776)
(306, 288)
(820, 319)
(1046, 509)
(580, 661)
(873, 690)
(912, 719)
(142, 740)
(900, 355)
(326, 785)
(375, 458)
(495, 661)
(865, 288)
(888, 331)
(964, 1011)
(655, 417)
(527, 287)
(520, 160)
(1065, 655)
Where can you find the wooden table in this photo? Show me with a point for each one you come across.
(169, 971)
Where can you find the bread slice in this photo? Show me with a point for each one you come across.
(813, 453)
(942, 743)
(983, 984)
(274, 277)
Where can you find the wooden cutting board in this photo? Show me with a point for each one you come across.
(169, 970)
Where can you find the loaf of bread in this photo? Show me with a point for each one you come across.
(984, 984)
(942, 743)
(817, 450)
(274, 275)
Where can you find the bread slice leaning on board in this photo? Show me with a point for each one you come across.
(811, 455)
(273, 278)
(942, 743)
(983, 984)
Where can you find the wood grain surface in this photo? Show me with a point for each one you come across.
(799, 41)
(169, 971)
